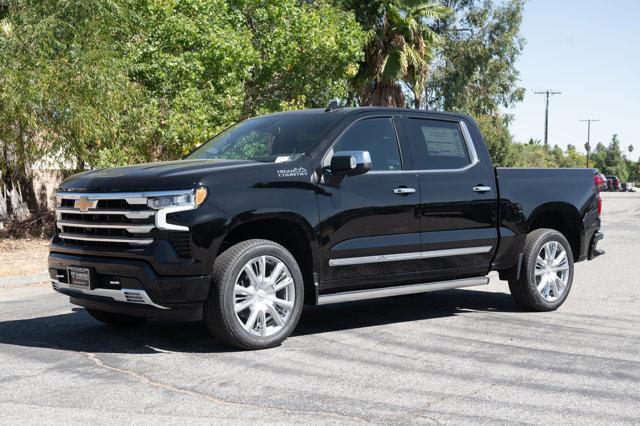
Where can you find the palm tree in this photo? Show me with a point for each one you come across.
(399, 51)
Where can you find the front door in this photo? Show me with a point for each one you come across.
(457, 199)
(369, 224)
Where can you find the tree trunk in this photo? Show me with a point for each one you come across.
(5, 177)
(20, 173)
(24, 179)
(383, 94)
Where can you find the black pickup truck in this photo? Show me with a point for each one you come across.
(316, 207)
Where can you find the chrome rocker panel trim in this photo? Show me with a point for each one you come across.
(376, 293)
(408, 256)
(126, 295)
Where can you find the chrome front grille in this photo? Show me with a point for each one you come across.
(90, 218)
(114, 220)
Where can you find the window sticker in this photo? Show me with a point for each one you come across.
(443, 142)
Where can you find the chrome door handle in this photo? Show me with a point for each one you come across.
(481, 188)
(403, 191)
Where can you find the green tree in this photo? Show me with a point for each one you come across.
(558, 156)
(498, 139)
(209, 63)
(475, 72)
(108, 82)
(573, 158)
(634, 170)
(63, 86)
(192, 58)
(307, 53)
(531, 155)
(598, 155)
(614, 161)
(399, 51)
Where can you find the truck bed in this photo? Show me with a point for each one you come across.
(529, 195)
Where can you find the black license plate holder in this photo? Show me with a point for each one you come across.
(79, 277)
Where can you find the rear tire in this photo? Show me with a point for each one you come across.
(114, 319)
(547, 272)
(256, 296)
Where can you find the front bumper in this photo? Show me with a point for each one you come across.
(130, 287)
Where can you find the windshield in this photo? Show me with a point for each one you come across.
(267, 139)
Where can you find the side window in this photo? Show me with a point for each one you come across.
(376, 135)
(437, 144)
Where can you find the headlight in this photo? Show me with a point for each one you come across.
(175, 203)
(192, 199)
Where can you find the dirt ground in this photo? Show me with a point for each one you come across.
(23, 256)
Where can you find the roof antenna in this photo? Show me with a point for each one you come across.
(333, 105)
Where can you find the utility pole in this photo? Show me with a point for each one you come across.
(547, 93)
(588, 144)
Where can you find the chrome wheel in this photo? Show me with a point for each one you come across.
(264, 295)
(552, 271)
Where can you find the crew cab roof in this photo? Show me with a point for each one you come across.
(361, 110)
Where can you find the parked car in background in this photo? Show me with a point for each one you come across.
(614, 183)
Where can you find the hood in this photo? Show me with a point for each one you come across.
(167, 175)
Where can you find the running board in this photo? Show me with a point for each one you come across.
(349, 296)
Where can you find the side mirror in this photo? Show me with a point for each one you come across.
(350, 163)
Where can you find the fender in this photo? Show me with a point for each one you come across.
(556, 206)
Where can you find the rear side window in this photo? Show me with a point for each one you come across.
(437, 145)
(376, 135)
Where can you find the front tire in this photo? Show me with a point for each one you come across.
(547, 272)
(256, 296)
(115, 319)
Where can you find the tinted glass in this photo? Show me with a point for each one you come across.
(437, 144)
(268, 139)
(376, 135)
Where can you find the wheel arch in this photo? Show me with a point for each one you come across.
(287, 229)
(561, 217)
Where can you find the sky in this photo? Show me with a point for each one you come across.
(590, 51)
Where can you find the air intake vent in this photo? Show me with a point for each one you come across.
(134, 297)
(181, 242)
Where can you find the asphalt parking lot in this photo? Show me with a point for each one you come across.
(455, 356)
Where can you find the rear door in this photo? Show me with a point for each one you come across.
(458, 220)
(369, 224)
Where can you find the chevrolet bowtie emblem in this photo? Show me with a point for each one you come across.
(84, 204)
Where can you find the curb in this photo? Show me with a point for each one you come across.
(24, 280)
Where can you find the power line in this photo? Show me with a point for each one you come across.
(547, 93)
(587, 146)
